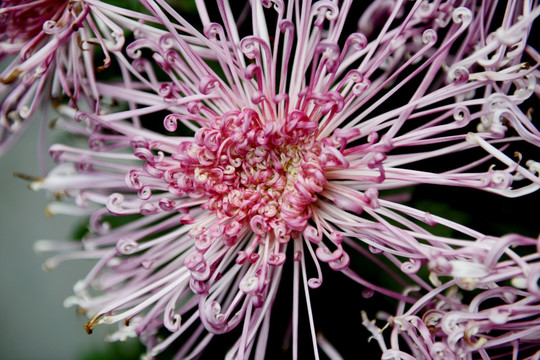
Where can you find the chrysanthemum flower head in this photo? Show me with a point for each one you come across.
(47, 49)
(252, 137)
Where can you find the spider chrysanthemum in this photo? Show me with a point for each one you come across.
(241, 139)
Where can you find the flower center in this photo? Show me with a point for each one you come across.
(262, 173)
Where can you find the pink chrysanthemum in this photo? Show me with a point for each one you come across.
(48, 49)
(300, 124)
